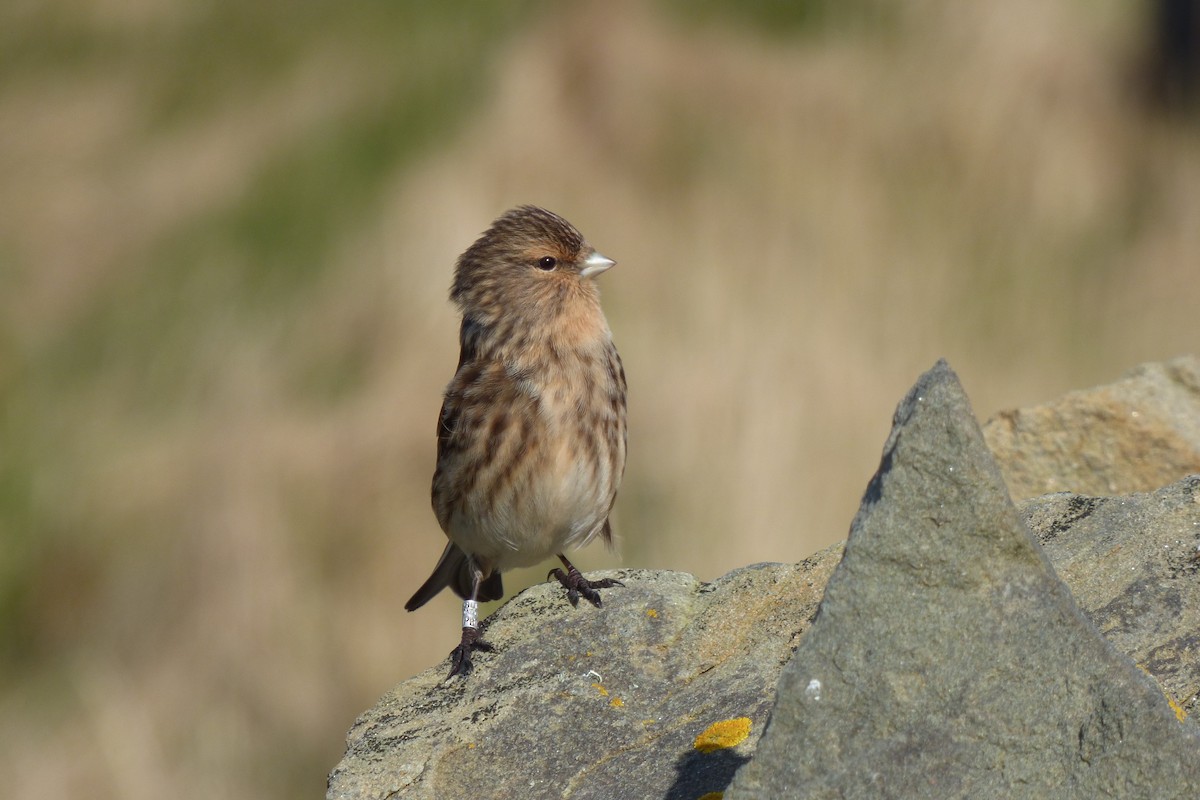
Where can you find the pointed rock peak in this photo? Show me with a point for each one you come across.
(938, 476)
(947, 659)
(937, 441)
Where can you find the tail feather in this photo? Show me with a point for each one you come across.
(454, 570)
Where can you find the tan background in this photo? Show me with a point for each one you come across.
(226, 237)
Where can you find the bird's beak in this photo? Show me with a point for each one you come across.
(594, 264)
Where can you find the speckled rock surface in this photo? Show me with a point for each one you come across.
(1137, 434)
(593, 703)
(1133, 565)
(948, 660)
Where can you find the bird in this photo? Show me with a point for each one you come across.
(531, 438)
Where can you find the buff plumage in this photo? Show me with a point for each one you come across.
(532, 431)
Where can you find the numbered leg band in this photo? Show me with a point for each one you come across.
(470, 614)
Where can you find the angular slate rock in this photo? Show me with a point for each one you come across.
(1133, 565)
(948, 660)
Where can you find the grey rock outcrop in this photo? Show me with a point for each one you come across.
(948, 660)
(953, 653)
(588, 703)
(1137, 434)
(1133, 565)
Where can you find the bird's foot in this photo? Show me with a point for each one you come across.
(460, 657)
(576, 585)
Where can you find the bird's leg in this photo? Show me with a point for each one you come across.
(576, 585)
(460, 657)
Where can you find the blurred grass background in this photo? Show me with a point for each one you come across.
(227, 232)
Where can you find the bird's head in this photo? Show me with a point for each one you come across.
(531, 263)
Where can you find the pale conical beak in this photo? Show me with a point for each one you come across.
(594, 264)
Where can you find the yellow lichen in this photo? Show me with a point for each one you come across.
(723, 734)
(617, 702)
(1180, 714)
(650, 612)
(603, 692)
(712, 796)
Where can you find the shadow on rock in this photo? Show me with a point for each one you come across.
(699, 773)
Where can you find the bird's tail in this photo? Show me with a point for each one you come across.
(454, 570)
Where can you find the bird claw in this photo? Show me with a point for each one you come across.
(576, 585)
(460, 657)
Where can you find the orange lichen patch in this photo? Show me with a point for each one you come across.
(712, 796)
(603, 692)
(617, 703)
(651, 613)
(1180, 714)
(723, 734)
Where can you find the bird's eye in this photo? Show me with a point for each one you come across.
(547, 263)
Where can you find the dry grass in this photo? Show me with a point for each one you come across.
(225, 332)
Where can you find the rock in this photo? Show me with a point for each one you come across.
(1133, 565)
(948, 660)
(591, 702)
(1136, 435)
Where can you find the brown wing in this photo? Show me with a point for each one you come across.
(449, 448)
(448, 416)
(448, 419)
(616, 420)
(468, 401)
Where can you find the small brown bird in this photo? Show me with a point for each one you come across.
(531, 438)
